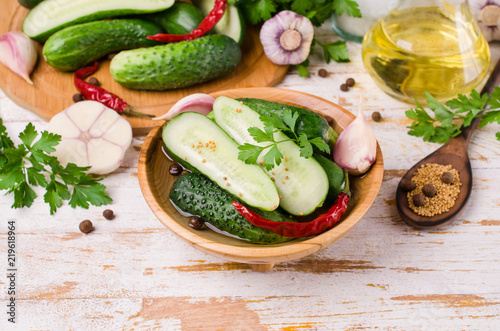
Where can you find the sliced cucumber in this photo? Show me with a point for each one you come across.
(53, 15)
(302, 183)
(202, 146)
(231, 24)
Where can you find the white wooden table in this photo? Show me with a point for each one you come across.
(132, 273)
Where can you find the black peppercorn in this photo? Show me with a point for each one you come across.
(322, 73)
(175, 169)
(108, 214)
(418, 200)
(344, 87)
(77, 97)
(350, 82)
(196, 223)
(408, 185)
(94, 81)
(429, 190)
(376, 116)
(86, 226)
(447, 178)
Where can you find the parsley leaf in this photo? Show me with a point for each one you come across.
(272, 156)
(336, 51)
(348, 6)
(456, 113)
(29, 164)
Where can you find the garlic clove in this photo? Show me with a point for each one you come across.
(356, 147)
(198, 102)
(91, 135)
(18, 53)
(287, 38)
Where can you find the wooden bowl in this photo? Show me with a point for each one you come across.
(156, 182)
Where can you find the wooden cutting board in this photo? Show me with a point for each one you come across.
(53, 90)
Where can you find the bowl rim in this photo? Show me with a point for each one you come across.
(260, 253)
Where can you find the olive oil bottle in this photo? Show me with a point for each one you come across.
(437, 49)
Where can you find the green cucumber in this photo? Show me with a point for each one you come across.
(338, 179)
(231, 24)
(53, 15)
(302, 183)
(200, 145)
(176, 65)
(195, 194)
(29, 3)
(309, 122)
(181, 18)
(75, 46)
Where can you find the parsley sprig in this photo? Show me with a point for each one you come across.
(318, 11)
(250, 153)
(30, 164)
(455, 114)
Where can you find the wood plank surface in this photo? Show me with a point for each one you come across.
(132, 273)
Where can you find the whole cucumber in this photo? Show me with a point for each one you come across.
(338, 179)
(308, 122)
(181, 18)
(176, 65)
(29, 3)
(195, 194)
(75, 46)
(53, 15)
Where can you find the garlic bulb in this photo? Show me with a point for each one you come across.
(198, 102)
(18, 53)
(356, 147)
(91, 135)
(487, 14)
(287, 38)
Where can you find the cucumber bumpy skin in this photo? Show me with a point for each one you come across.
(76, 46)
(181, 18)
(53, 15)
(176, 65)
(196, 195)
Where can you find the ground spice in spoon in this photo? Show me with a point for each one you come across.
(446, 193)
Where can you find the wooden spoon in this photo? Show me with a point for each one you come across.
(453, 153)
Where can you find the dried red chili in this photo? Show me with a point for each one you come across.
(205, 25)
(295, 230)
(96, 93)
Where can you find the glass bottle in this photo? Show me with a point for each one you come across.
(430, 46)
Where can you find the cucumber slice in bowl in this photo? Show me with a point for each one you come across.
(302, 182)
(200, 145)
(231, 24)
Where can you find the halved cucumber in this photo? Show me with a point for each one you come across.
(200, 145)
(231, 24)
(53, 15)
(302, 183)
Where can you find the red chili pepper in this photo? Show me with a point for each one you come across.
(205, 25)
(96, 93)
(295, 230)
